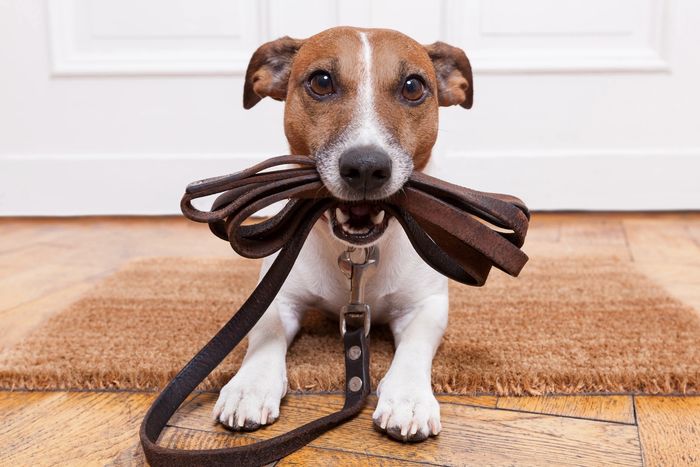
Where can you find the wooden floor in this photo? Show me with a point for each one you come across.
(45, 264)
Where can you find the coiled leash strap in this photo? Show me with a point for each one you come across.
(448, 226)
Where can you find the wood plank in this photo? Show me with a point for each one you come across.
(669, 429)
(301, 408)
(196, 414)
(133, 456)
(682, 280)
(16, 236)
(694, 229)
(18, 322)
(665, 250)
(581, 236)
(310, 456)
(68, 428)
(544, 229)
(606, 231)
(33, 284)
(184, 438)
(606, 408)
(477, 401)
(471, 435)
(661, 241)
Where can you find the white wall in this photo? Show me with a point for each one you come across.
(112, 106)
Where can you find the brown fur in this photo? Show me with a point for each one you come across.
(281, 68)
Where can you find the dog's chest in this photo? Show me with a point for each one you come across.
(326, 288)
(400, 280)
(380, 300)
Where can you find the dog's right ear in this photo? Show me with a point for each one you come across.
(268, 71)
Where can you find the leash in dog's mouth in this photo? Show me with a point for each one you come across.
(358, 223)
(459, 232)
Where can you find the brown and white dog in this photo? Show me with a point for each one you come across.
(364, 104)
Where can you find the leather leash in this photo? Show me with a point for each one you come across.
(461, 233)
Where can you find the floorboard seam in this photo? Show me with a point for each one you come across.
(506, 409)
(628, 245)
(639, 436)
(695, 239)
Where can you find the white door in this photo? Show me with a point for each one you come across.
(112, 106)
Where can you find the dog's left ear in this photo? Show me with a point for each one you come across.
(268, 71)
(454, 74)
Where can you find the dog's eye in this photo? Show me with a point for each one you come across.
(413, 89)
(321, 83)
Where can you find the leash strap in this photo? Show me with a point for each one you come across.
(451, 228)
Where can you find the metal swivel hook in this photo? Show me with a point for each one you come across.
(356, 309)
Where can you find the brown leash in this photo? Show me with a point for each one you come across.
(448, 226)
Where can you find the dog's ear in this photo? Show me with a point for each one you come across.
(268, 71)
(454, 74)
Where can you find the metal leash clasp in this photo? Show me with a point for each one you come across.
(357, 310)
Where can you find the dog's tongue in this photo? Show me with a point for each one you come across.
(360, 210)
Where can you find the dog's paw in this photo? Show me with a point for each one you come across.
(251, 399)
(407, 411)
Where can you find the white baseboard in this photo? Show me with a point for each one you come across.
(106, 184)
(152, 184)
(601, 180)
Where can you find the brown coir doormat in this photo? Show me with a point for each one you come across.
(564, 326)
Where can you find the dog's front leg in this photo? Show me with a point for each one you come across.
(252, 397)
(407, 409)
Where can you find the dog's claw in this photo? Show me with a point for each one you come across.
(384, 420)
(435, 427)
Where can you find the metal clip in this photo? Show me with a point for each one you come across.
(357, 309)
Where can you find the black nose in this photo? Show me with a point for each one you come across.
(365, 168)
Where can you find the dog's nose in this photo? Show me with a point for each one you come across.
(365, 168)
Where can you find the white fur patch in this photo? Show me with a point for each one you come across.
(369, 130)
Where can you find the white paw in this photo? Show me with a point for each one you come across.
(407, 410)
(251, 399)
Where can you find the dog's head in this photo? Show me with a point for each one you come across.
(363, 103)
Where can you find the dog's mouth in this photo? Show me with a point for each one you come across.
(358, 223)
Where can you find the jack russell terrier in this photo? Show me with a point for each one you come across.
(364, 104)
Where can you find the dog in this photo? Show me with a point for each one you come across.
(364, 104)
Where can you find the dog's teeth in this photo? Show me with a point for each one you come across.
(355, 231)
(378, 218)
(342, 217)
